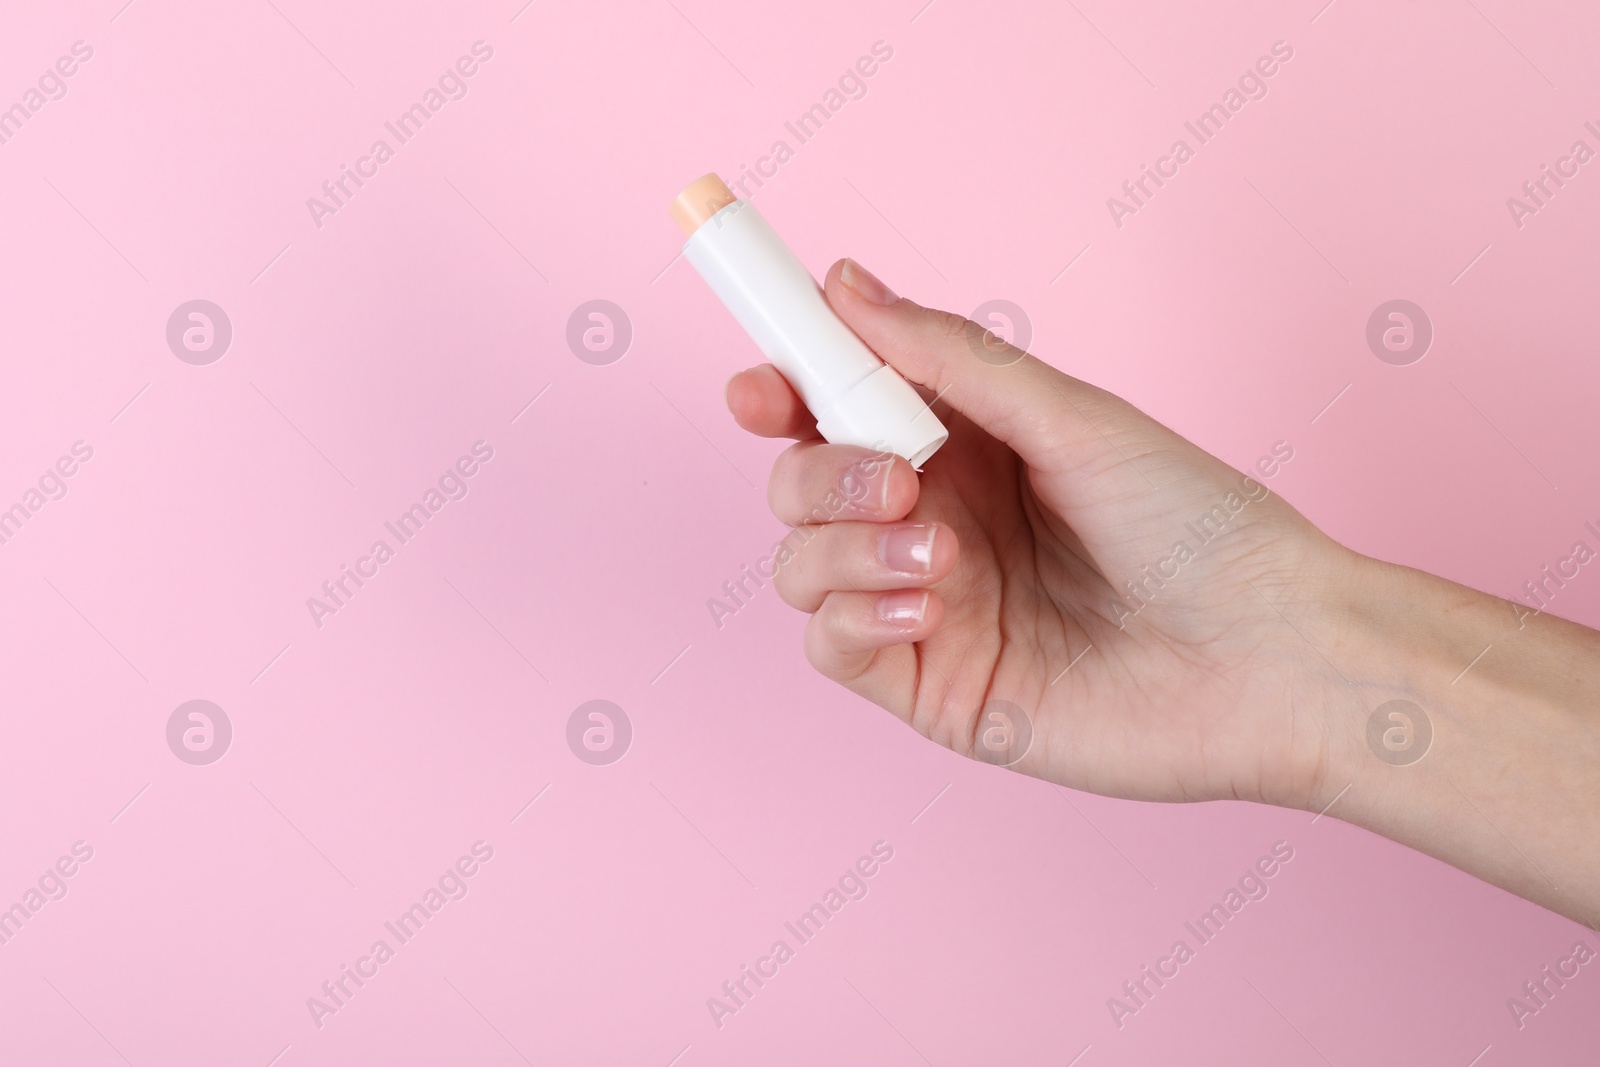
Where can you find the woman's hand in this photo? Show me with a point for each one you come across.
(1075, 590)
(1159, 618)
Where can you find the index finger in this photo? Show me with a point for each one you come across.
(765, 404)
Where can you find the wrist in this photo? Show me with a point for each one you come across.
(1335, 636)
(1398, 641)
(1455, 725)
(1383, 646)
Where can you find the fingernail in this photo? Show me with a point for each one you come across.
(903, 608)
(864, 282)
(908, 549)
(871, 500)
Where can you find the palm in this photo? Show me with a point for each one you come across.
(1175, 702)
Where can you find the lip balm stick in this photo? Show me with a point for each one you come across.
(856, 397)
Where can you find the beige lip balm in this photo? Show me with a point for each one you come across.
(856, 397)
(701, 199)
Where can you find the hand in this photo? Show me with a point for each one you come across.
(1168, 628)
(1156, 614)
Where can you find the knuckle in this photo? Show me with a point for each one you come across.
(795, 579)
(816, 644)
(783, 483)
(823, 639)
(774, 498)
(950, 325)
(832, 644)
(788, 584)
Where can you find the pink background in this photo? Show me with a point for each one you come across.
(370, 353)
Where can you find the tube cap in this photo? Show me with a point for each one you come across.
(882, 411)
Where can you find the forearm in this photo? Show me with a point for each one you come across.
(1508, 788)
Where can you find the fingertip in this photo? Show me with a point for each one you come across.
(764, 403)
(902, 489)
(946, 551)
(928, 616)
(933, 616)
(757, 403)
(740, 398)
(845, 299)
(834, 278)
(849, 633)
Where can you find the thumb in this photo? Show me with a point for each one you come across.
(1053, 421)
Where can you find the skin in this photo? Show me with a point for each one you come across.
(1247, 668)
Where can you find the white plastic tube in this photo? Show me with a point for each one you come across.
(856, 397)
